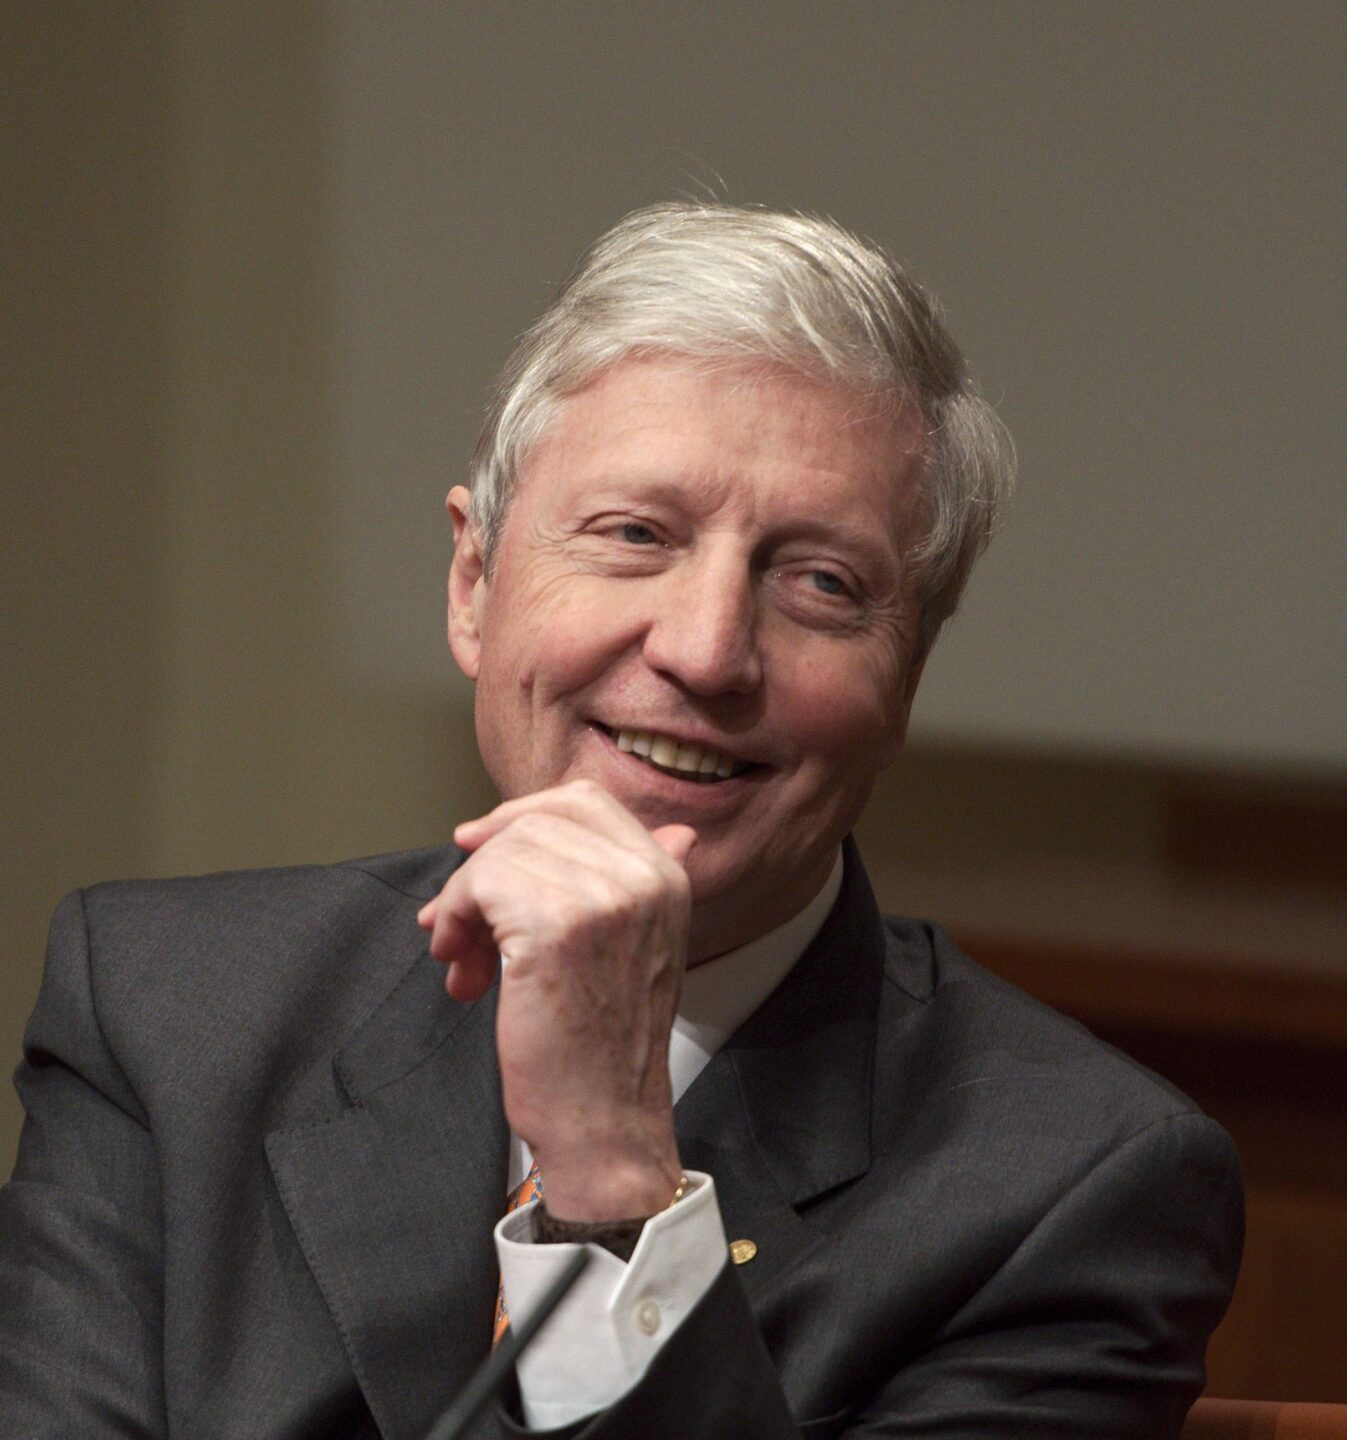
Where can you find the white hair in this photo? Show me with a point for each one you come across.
(733, 284)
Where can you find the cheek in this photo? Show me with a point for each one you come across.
(519, 634)
(848, 714)
(550, 640)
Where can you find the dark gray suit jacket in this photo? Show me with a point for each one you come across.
(265, 1153)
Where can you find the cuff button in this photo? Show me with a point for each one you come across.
(647, 1317)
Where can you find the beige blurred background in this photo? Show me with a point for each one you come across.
(262, 261)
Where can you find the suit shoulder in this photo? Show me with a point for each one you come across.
(247, 953)
(412, 871)
(417, 874)
(985, 1027)
(266, 922)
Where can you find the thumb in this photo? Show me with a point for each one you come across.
(675, 840)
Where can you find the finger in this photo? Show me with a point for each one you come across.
(675, 840)
(488, 903)
(573, 857)
(552, 849)
(581, 800)
(461, 939)
(468, 983)
(471, 835)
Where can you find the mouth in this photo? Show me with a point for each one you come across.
(680, 758)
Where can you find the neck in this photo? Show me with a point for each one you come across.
(733, 919)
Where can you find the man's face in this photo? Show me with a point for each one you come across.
(707, 566)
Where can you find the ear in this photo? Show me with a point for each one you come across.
(467, 586)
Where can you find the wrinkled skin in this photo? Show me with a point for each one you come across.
(715, 556)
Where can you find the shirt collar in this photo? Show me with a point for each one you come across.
(719, 995)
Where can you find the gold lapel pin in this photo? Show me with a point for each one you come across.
(742, 1251)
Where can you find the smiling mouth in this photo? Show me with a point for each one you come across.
(677, 757)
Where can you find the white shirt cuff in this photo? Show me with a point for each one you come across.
(604, 1334)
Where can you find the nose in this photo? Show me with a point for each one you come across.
(704, 632)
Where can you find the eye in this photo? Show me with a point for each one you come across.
(634, 533)
(828, 582)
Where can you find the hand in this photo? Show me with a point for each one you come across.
(593, 911)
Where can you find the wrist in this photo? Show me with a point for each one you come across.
(591, 1185)
(619, 1237)
(613, 1171)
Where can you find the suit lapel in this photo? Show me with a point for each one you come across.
(394, 1200)
(781, 1115)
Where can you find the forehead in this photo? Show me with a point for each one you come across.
(734, 432)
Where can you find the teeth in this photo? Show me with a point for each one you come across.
(665, 752)
(688, 758)
(670, 754)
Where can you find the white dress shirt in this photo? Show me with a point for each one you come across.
(613, 1321)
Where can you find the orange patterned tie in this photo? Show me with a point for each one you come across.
(529, 1188)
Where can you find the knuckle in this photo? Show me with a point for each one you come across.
(528, 825)
(654, 879)
(535, 828)
(569, 920)
(608, 896)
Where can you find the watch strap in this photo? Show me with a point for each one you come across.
(618, 1237)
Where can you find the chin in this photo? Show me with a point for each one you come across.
(715, 877)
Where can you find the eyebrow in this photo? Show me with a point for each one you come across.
(656, 485)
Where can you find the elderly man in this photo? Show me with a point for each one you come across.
(836, 1180)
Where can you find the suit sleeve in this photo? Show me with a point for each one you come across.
(81, 1300)
(1095, 1326)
